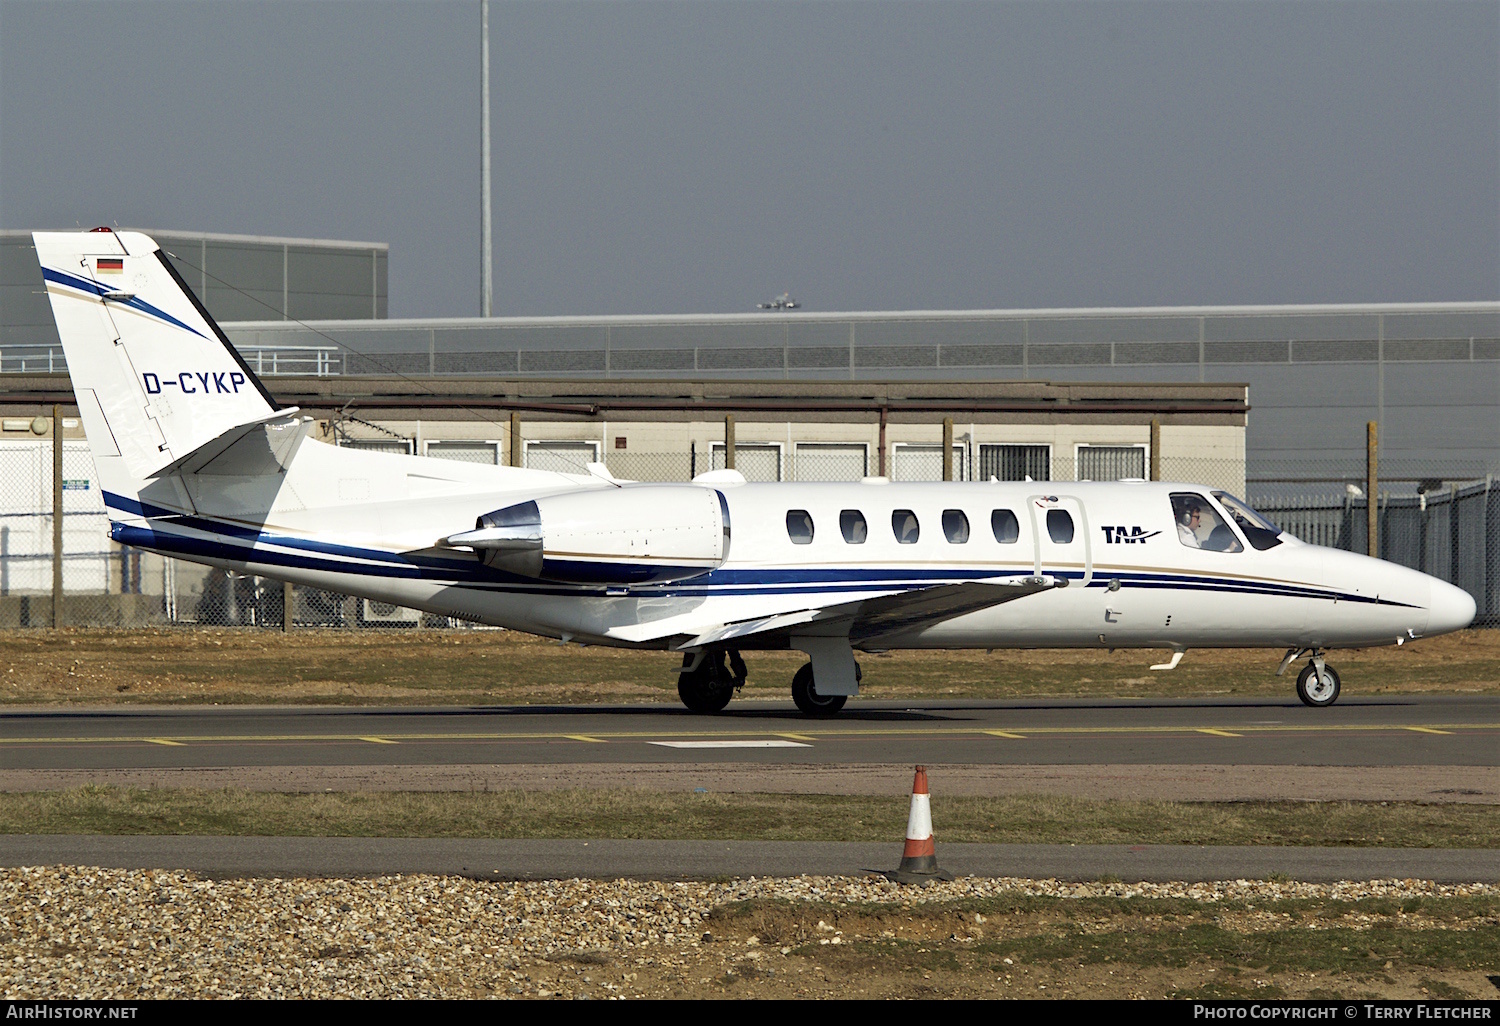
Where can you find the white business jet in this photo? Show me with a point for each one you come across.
(197, 461)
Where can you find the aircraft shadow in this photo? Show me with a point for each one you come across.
(948, 710)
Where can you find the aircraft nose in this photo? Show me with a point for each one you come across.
(1450, 609)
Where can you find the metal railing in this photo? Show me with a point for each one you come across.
(271, 361)
(32, 359)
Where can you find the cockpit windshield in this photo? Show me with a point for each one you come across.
(1258, 530)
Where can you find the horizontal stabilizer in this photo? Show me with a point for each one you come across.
(263, 446)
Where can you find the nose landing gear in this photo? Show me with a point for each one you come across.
(1318, 684)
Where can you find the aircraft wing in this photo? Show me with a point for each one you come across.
(868, 619)
(912, 610)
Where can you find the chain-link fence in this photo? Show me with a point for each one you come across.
(1450, 529)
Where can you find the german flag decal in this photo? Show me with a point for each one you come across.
(111, 265)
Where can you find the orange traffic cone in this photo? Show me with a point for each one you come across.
(919, 860)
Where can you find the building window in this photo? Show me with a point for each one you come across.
(911, 462)
(1111, 462)
(819, 461)
(955, 526)
(1006, 527)
(799, 526)
(852, 524)
(465, 452)
(562, 457)
(756, 461)
(399, 446)
(905, 527)
(1015, 462)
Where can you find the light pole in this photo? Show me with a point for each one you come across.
(487, 242)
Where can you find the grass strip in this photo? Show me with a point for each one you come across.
(447, 667)
(1290, 947)
(682, 816)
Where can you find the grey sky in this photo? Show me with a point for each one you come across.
(699, 156)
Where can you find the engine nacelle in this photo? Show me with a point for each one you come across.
(637, 534)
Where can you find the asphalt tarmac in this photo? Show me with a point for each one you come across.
(1415, 730)
(1405, 747)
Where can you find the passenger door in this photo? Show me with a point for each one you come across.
(1060, 526)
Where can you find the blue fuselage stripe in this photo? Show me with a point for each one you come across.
(241, 544)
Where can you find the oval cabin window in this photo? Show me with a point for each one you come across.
(1006, 527)
(955, 526)
(905, 527)
(1060, 526)
(799, 526)
(852, 524)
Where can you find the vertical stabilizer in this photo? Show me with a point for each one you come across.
(155, 377)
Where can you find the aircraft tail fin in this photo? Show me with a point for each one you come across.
(155, 378)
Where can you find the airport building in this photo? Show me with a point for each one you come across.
(300, 308)
(1428, 373)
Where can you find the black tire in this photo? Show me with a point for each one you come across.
(807, 698)
(705, 691)
(1314, 694)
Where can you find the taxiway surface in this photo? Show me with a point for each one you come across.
(1402, 731)
(1406, 748)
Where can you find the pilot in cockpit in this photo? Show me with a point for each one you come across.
(1189, 521)
(1199, 527)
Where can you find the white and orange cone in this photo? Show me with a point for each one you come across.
(919, 860)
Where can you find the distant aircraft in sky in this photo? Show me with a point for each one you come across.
(198, 461)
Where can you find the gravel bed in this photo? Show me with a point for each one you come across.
(72, 932)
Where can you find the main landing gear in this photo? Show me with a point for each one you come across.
(705, 684)
(708, 680)
(805, 694)
(1318, 684)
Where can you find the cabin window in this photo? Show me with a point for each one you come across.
(1199, 526)
(852, 523)
(1006, 527)
(955, 526)
(799, 527)
(905, 527)
(1060, 526)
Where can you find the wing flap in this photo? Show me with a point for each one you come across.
(745, 628)
(912, 610)
(868, 618)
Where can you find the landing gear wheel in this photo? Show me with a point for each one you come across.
(1318, 690)
(807, 698)
(707, 689)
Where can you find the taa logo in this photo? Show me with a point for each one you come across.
(1127, 535)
